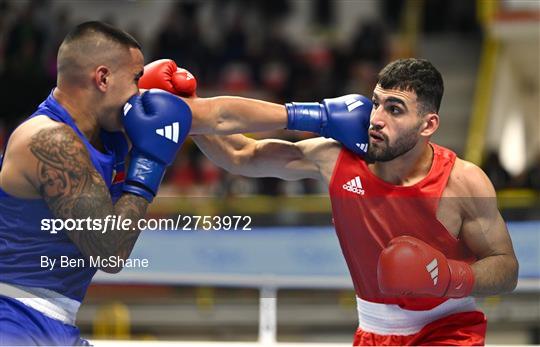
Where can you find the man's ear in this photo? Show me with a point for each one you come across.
(102, 77)
(430, 124)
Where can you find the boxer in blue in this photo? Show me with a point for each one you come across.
(59, 163)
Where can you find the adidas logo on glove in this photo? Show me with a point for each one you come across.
(433, 269)
(170, 132)
(127, 107)
(352, 103)
(362, 146)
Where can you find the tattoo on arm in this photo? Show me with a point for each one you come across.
(72, 188)
(66, 178)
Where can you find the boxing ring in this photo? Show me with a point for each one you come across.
(271, 259)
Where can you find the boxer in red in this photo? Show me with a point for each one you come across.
(419, 227)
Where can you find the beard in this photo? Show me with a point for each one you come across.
(382, 151)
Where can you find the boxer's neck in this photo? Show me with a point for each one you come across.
(407, 169)
(81, 110)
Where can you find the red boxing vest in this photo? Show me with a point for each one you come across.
(369, 212)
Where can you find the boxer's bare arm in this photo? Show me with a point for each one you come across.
(484, 232)
(313, 158)
(232, 115)
(47, 160)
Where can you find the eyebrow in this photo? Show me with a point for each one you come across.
(391, 99)
(396, 100)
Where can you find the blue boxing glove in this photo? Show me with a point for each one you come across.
(345, 119)
(157, 123)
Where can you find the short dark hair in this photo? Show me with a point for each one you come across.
(416, 75)
(107, 30)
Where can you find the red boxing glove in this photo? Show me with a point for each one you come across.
(164, 74)
(411, 267)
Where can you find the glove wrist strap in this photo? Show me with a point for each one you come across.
(306, 116)
(144, 176)
(461, 279)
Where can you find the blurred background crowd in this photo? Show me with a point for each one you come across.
(240, 47)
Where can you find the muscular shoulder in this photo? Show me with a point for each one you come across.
(468, 180)
(322, 152)
(319, 145)
(40, 128)
(320, 149)
(42, 136)
(38, 141)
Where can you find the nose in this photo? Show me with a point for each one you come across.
(376, 121)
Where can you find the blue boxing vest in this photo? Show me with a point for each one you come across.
(22, 242)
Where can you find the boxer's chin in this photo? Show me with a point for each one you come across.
(379, 151)
(382, 151)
